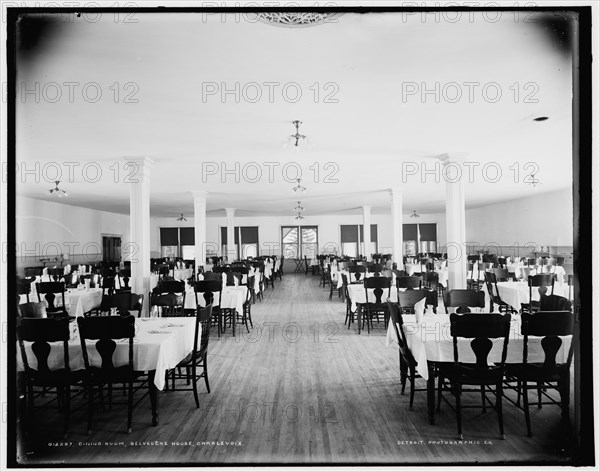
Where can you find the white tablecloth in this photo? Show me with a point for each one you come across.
(159, 344)
(356, 292)
(516, 293)
(77, 301)
(233, 297)
(431, 341)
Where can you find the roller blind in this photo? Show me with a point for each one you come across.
(428, 231)
(409, 232)
(249, 234)
(186, 236)
(349, 234)
(373, 233)
(169, 236)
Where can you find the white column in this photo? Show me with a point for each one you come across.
(397, 244)
(199, 227)
(452, 173)
(139, 226)
(231, 252)
(367, 231)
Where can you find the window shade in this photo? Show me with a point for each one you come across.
(428, 231)
(169, 236)
(349, 234)
(249, 234)
(186, 236)
(409, 232)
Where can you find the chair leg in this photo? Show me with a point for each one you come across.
(539, 393)
(499, 409)
(194, 385)
(483, 398)
(90, 408)
(412, 387)
(439, 399)
(67, 406)
(204, 363)
(130, 406)
(403, 375)
(457, 391)
(526, 408)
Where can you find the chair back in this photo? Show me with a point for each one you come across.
(481, 329)
(555, 303)
(549, 325)
(41, 332)
(207, 289)
(378, 285)
(356, 273)
(542, 282)
(375, 268)
(125, 275)
(104, 330)
(50, 290)
(203, 317)
(463, 299)
(409, 282)
(124, 302)
(397, 322)
(500, 274)
(408, 298)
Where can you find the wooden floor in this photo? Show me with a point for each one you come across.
(300, 388)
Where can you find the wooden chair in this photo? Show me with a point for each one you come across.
(197, 359)
(124, 302)
(356, 274)
(210, 291)
(491, 282)
(409, 282)
(408, 298)
(541, 282)
(549, 325)
(41, 332)
(50, 291)
(483, 373)
(169, 295)
(463, 300)
(555, 303)
(379, 307)
(408, 363)
(349, 312)
(124, 278)
(105, 330)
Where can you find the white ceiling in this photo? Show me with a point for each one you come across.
(366, 135)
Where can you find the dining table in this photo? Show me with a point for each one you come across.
(159, 344)
(77, 300)
(516, 293)
(358, 298)
(429, 339)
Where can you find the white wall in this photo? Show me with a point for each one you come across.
(46, 229)
(544, 219)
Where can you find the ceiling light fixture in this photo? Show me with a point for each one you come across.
(299, 188)
(415, 215)
(298, 207)
(532, 180)
(297, 138)
(182, 218)
(57, 191)
(299, 216)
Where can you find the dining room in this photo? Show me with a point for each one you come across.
(331, 237)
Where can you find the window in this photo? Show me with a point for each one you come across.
(299, 241)
(352, 237)
(248, 235)
(177, 242)
(419, 238)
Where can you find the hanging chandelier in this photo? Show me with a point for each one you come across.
(182, 218)
(415, 215)
(57, 191)
(299, 216)
(298, 188)
(298, 207)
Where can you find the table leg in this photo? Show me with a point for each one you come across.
(431, 393)
(153, 391)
